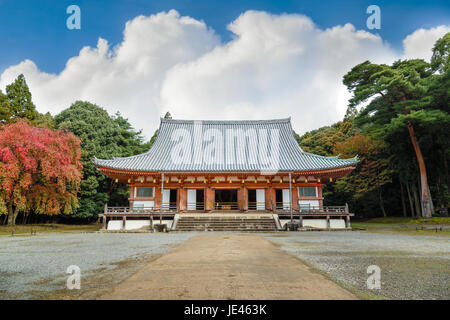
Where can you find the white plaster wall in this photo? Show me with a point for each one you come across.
(136, 224)
(146, 204)
(337, 223)
(315, 223)
(305, 203)
(167, 222)
(115, 224)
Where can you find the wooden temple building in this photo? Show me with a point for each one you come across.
(237, 169)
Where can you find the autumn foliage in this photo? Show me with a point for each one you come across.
(40, 170)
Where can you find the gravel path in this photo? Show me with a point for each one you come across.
(412, 267)
(227, 266)
(39, 263)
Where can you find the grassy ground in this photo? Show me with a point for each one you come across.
(433, 226)
(28, 229)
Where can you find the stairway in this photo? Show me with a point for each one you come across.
(247, 222)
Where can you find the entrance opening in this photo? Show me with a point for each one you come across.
(279, 196)
(169, 199)
(173, 199)
(195, 199)
(226, 199)
(251, 195)
(173, 196)
(200, 205)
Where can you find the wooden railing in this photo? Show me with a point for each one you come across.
(119, 210)
(321, 209)
(308, 209)
(283, 206)
(169, 206)
(192, 206)
(256, 206)
(226, 206)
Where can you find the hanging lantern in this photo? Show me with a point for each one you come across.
(331, 179)
(306, 180)
(154, 180)
(318, 180)
(117, 180)
(242, 180)
(129, 180)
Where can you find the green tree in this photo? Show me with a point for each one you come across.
(17, 104)
(373, 171)
(399, 103)
(104, 137)
(20, 103)
(323, 140)
(5, 109)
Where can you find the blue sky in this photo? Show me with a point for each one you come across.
(36, 30)
(279, 58)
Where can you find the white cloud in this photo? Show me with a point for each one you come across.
(274, 66)
(420, 43)
(126, 78)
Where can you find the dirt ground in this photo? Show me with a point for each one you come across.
(227, 266)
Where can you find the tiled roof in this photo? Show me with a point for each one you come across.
(215, 146)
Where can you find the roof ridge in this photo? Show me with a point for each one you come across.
(281, 120)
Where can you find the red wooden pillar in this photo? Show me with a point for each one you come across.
(183, 199)
(242, 195)
(209, 199)
(319, 195)
(157, 198)
(269, 194)
(131, 199)
(294, 199)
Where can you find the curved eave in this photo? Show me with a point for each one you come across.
(322, 172)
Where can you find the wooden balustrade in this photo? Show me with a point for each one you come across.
(257, 206)
(226, 206)
(281, 208)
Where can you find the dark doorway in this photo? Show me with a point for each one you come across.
(173, 199)
(173, 195)
(279, 198)
(226, 195)
(200, 201)
(226, 199)
(251, 195)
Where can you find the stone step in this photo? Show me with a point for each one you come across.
(223, 223)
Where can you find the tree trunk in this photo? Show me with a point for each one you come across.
(12, 214)
(426, 207)
(381, 204)
(416, 199)
(403, 199)
(411, 206)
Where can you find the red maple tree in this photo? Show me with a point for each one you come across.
(40, 170)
